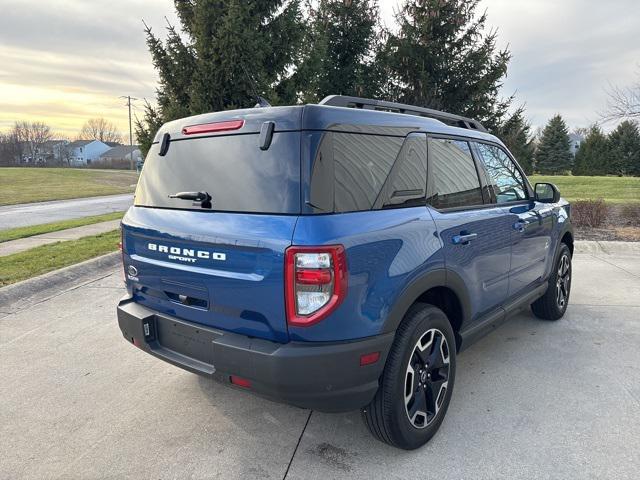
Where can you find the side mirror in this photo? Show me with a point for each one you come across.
(547, 193)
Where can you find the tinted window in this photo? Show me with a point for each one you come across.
(504, 178)
(453, 178)
(361, 166)
(407, 181)
(232, 169)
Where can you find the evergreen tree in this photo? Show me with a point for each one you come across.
(147, 127)
(554, 155)
(592, 156)
(342, 40)
(441, 58)
(624, 145)
(227, 51)
(515, 132)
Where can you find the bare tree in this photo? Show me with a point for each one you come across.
(100, 129)
(32, 136)
(623, 103)
(64, 153)
(10, 152)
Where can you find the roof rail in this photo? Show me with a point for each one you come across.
(371, 104)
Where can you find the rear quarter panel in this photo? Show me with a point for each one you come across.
(386, 251)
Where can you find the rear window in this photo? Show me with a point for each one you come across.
(354, 172)
(362, 164)
(232, 169)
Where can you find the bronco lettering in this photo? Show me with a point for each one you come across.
(183, 254)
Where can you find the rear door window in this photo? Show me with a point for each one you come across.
(453, 180)
(232, 169)
(407, 182)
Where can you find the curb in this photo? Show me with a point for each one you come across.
(607, 248)
(39, 289)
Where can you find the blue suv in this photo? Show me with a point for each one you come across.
(337, 256)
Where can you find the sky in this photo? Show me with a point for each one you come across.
(65, 61)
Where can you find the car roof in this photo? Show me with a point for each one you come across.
(324, 117)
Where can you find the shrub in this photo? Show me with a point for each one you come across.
(589, 213)
(111, 163)
(630, 214)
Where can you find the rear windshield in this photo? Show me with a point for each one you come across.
(233, 170)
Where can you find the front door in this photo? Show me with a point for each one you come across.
(531, 222)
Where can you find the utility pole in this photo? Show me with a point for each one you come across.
(129, 98)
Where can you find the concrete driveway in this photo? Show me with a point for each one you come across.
(26, 214)
(532, 400)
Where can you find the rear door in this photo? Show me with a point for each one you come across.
(531, 222)
(476, 235)
(219, 263)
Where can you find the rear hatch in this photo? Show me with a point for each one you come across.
(217, 262)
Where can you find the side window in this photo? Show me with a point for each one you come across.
(361, 166)
(407, 181)
(504, 178)
(453, 178)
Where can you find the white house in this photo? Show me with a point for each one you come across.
(576, 140)
(83, 152)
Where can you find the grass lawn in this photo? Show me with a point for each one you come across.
(611, 189)
(24, 232)
(39, 260)
(25, 185)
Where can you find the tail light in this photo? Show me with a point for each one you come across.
(213, 127)
(315, 282)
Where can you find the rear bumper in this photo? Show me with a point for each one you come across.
(320, 376)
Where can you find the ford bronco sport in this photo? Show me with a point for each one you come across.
(337, 256)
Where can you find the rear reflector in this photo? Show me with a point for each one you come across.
(213, 127)
(313, 277)
(240, 382)
(369, 358)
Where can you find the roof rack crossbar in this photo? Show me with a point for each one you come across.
(372, 104)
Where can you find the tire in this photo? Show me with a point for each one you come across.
(424, 338)
(553, 304)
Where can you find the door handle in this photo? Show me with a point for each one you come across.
(463, 238)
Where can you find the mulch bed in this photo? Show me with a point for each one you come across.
(622, 223)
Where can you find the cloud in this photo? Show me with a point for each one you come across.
(68, 60)
(565, 54)
(64, 61)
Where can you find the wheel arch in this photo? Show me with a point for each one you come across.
(441, 288)
(567, 238)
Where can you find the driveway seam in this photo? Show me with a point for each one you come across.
(295, 450)
(617, 266)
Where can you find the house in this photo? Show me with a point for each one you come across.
(575, 140)
(122, 153)
(83, 152)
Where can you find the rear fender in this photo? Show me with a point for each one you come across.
(434, 278)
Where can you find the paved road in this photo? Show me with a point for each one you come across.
(532, 400)
(12, 216)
